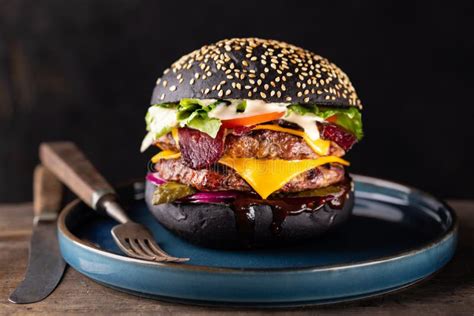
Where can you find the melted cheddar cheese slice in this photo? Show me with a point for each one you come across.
(165, 154)
(266, 176)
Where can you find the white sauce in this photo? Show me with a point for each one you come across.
(307, 122)
(161, 118)
(254, 107)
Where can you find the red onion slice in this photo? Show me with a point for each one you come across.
(154, 179)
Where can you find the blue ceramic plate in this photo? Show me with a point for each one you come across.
(396, 237)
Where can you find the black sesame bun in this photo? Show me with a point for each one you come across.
(253, 68)
(218, 226)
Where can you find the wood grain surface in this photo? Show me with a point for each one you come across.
(47, 192)
(450, 292)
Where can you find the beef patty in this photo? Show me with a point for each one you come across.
(262, 144)
(222, 178)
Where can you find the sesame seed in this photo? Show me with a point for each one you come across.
(263, 95)
(228, 91)
(280, 62)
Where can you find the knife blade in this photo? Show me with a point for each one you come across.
(45, 263)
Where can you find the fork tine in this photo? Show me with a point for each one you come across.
(147, 249)
(156, 249)
(124, 246)
(137, 249)
(158, 257)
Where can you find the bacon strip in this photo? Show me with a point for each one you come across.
(199, 150)
(338, 135)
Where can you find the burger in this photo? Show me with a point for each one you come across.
(249, 136)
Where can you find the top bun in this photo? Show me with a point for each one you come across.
(253, 68)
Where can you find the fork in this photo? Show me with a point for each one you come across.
(72, 167)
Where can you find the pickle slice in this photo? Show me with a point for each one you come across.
(171, 191)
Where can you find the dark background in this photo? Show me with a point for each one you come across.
(85, 70)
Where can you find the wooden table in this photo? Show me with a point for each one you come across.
(451, 292)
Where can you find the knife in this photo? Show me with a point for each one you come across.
(45, 263)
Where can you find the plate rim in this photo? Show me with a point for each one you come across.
(451, 231)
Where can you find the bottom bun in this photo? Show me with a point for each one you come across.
(218, 226)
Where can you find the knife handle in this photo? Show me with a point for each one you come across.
(47, 194)
(72, 167)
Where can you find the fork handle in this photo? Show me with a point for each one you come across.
(71, 166)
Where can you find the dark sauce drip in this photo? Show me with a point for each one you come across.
(282, 207)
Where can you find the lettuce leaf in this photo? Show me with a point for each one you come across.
(348, 118)
(303, 109)
(242, 106)
(194, 114)
(188, 112)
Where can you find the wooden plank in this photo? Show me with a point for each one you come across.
(450, 292)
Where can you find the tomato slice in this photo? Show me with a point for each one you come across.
(252, 120)
(332, 119)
